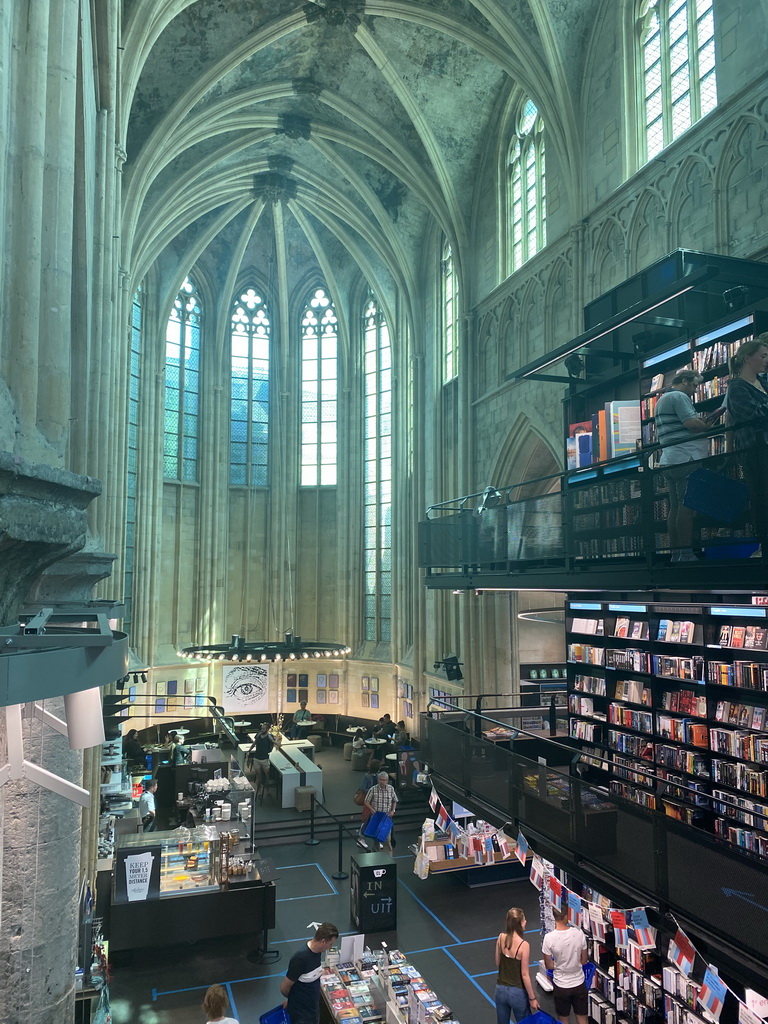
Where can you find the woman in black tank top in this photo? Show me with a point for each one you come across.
(515, 997)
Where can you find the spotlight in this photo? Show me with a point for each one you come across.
(574, 364)
(143, 677)
(490, 499)
(736, 297)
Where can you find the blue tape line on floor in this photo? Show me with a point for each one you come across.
(466, 974)
(232, 1005)
(431, 914)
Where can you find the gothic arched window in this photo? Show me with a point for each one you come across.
(182, 386)
(319, 387)
(677, 68)
(449, 296)
(249, 402)
(134, 389)
(377, 474)
(527, 187)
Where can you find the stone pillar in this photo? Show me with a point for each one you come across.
(43, 517)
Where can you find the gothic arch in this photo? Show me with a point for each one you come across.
(691, 206)
(647, 233)
(532, 325)
(525, 455)
(743, 203)
(558, 304)
(488, 354)
(609, 261)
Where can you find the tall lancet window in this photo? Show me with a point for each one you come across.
(377, 474)
(182, 386)
(319, 391)
(527, 187)
(677, 61)
(249, 402)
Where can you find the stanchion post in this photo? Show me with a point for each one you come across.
(312, 841)
(340, 873)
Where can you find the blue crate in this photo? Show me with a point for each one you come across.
(279, 1015)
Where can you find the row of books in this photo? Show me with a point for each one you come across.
(748, 675)
(637, 796)
(749, 746)
(741, 777)
(683, 730)
(746, 637)
(642, 721)
(684, 760)
(581, 730)
(747, 716)
(594, 494)
(749, 811)
(626, 743)
(584, 653)
(633, 691)
(687, 702)
(612, 431)
(590, 684)
(641, 774)
(625, 627)
(631, 980)
(672, 631)
(680, 788)
(747, 839)
(594, 626)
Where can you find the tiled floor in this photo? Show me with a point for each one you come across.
(447, 929)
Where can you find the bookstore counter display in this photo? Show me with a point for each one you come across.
(669, 702)
(381, 987)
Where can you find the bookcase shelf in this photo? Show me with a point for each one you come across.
(656, 714)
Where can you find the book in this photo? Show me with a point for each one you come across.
(663, 627)
(622, 626)
(737, 636)
(725, 636)
(622, 424)
(673, 634)
(637, 630)
(686, 632)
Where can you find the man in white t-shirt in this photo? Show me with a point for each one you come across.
(565, 951)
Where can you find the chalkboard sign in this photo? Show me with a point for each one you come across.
(373, 892)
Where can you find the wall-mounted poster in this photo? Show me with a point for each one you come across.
(159, 689)
(173, 687)
(365, 700)
(245, 689)
(365, 684)
(199, 685)
(400, 687)
(303, 695)
(322, 679)
(408, 709)
(303, 679)
(159, 705)
(333, 696)
(375, 685)
(320, 696)
(290, 695)
(374, 700)
(291, 679)
(333, 680)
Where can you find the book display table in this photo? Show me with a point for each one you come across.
(380, 988)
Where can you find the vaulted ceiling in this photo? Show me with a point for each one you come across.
(372, 120)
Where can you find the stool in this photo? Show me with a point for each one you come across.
(303, 797)
(347, 751)
(316, 740)
(360, 760)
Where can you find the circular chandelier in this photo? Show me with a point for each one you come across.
(292, 648)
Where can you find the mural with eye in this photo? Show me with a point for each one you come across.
(245, 688)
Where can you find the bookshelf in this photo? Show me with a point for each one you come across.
(540, 682)
(669, 704)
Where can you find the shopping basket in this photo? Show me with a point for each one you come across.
(277, 1016)
(378, 826)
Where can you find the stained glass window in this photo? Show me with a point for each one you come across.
(527, 187)
(182, 385)
(377, 475)
(249, 394)
(319, 384)
(677, 48)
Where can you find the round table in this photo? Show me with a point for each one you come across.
(373, 742)
(180, 732)
(241, 725)
(353, 730)
(390, 757)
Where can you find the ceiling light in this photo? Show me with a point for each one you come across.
(290, 648)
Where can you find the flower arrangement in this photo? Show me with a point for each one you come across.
(276, 730)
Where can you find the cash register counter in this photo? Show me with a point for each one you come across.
(184, 903)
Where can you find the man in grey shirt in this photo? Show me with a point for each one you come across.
(679, 430)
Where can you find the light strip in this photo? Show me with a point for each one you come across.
(588, 474)
(584, 606)
(734, 326)
(667, 355)
(744, 611)
(619, 466)
(627, 608)
(609, 330)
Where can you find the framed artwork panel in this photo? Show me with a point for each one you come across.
(333, 696)
(320, 696)
(374, 700)
(303, 679)
(303, 695)
(333, 680)
(291, 679)
(173, 687)
(364, 683)
(365, 700)
(290, 695)
(374, 687)
(322, 679)
(159, 705)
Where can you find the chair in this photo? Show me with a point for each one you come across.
(347, 751)
(266, 784)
